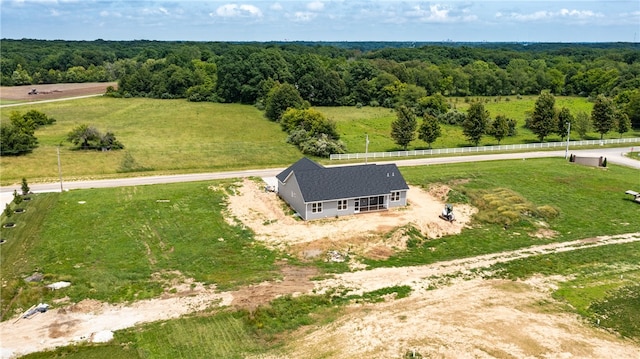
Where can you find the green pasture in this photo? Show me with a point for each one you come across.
(354, 124)
(177, 136)
(161, 136)
(573, 200)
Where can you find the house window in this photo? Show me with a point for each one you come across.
(316, 207)
(395, 196)
(342, 204)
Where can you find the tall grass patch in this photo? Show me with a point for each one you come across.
(505, 207)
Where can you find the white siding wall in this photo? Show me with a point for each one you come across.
(290, 192)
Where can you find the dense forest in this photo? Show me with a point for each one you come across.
(328, 74)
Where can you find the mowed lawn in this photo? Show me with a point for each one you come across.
(163, 136)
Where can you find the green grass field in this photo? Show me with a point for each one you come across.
(163, 136)
(354, 124)
(109, 242)
(587, 201)
(89, 236)
(177, 136)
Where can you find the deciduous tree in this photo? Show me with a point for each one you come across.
(602, 115)
(622, 122)
(499, 128)
(543, 118)
(429, 130)
(403, 129)
(564, 118)
(582, 124)
(280, 98)
(15, 140)
(476, 122)
(83, 136)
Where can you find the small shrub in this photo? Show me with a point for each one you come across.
(453, 117)
(17, 199)
(25, 187)
(129, 164)
(547, 212)
(457, 197)
(7, 211)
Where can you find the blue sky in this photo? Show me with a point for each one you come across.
(322, 20)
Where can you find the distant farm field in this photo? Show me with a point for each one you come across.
(12, 94)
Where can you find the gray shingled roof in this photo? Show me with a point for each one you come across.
(303, 164)
(322, 184)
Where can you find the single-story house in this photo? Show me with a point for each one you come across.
(315, 191)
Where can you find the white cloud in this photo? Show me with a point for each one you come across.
(163, 10)
(547, 15)
(439, 13)
(276, 6)
(303, 16)
(235, 10)
(315, 6)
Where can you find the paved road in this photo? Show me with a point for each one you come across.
(613, 155)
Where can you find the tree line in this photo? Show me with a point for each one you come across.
(545, 119)
(325, 74)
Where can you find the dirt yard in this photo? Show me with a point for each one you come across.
(451, 313)
(53, 91)
(363, 234)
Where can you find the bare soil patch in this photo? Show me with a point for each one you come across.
(377, 234)
(295, 280)
(459, 319)
(53, 91)
(471, 319)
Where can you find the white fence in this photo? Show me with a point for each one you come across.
(461, 150)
